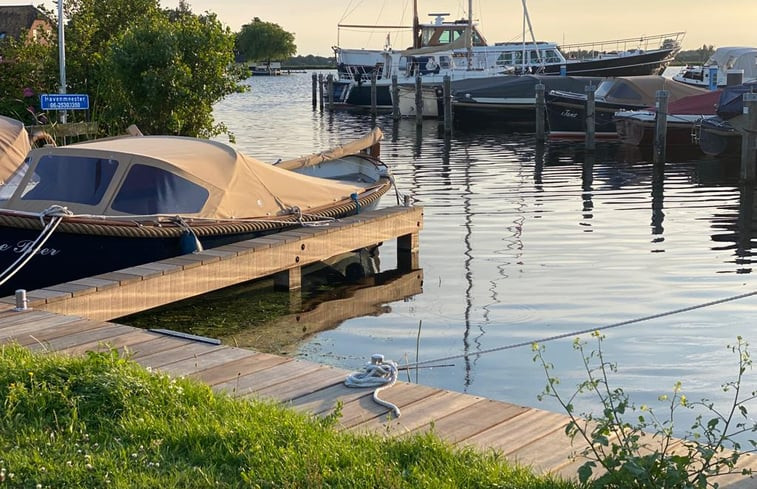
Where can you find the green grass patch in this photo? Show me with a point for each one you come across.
(104, 421)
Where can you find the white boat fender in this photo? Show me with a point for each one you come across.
(378, 373)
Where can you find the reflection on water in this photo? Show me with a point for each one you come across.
(524, 241)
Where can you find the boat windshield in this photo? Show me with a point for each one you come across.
(70, 179)
(149, 190)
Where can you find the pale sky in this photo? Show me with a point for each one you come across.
(314, 24)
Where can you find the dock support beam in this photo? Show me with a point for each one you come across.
(330, 90)
(661, 126)
(408, 257)
(590, 117)
(749, 138)
(540, 108)
(395, 99)
(320, 89)
(290, 279)
(447, 103)
(418, 100)
(315, 91)
(374, 110)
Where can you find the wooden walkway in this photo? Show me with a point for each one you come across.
(70, 318)
(529, 436)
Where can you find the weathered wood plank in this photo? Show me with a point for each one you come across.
(234, 369)
(102, 333)
(56, 331)
(221, 356)
(304, 384)
(514, 433)
(475, 419)
(419, 415)
(324, 400)
(190, 350)
(250, 384)
(364, 408)
(119, 342)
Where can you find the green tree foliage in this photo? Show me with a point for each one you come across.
(27, 68)
(264, 41)
(165, 75)
(91, 26)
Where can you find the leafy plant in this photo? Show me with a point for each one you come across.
(629, 447)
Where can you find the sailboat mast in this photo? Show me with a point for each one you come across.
(416, 27)
(527, 19)
(469, 41)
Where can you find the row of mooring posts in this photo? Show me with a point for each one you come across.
(323, 96)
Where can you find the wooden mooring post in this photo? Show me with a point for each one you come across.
(418, 100)
(661, 126)
(320, 89)
(447, 103)
(395, 98)
(540, 108)
(315, 90)
(749, 138)
(330, 90)
(374, 109)
(590, 117)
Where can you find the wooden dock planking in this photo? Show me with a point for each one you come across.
(524, 435)
(314, 381)
(419, 415)
(214, 358)
(136, 289)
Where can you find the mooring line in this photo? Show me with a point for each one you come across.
(581, 332)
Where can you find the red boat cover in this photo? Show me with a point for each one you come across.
(700, 104)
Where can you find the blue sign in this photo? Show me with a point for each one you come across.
(64, 101)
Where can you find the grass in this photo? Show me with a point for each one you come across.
(103, 421)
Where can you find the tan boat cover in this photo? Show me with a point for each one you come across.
(239, 186)
(647, 87)
(14, 145)
(351, 148)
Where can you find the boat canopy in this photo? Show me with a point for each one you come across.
(14, 146)
(369, 141)
(638, 90)
(171, 175)
(734, 58)
(731, 102)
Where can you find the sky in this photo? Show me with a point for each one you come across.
(314, 24)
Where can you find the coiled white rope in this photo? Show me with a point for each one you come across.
(377, 373)
(57, 212)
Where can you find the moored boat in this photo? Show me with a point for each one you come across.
(14, 146)
(566, 111)
(91, 208)
(724, 61)
(684, 116)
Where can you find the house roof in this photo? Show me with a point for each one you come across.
(16, 20)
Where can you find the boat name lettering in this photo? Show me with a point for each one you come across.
(23, 245)
(569, 113)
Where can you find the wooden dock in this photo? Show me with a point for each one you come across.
(71, 319)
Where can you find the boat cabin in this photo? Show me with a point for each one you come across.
(442, 33)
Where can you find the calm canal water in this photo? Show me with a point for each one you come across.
(520, 244)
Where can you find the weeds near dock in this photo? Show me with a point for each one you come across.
(644, 453)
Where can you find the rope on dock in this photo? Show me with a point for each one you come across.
(377, 373)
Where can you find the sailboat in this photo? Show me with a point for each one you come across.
(458, 49)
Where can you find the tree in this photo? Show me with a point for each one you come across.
(165, 75)
(264, 41)
(27, 69)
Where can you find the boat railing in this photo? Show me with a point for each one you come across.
(621, 47)
(359, 73)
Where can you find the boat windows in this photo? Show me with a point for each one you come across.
(70, 179)
(625, 91)
(150, 190)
